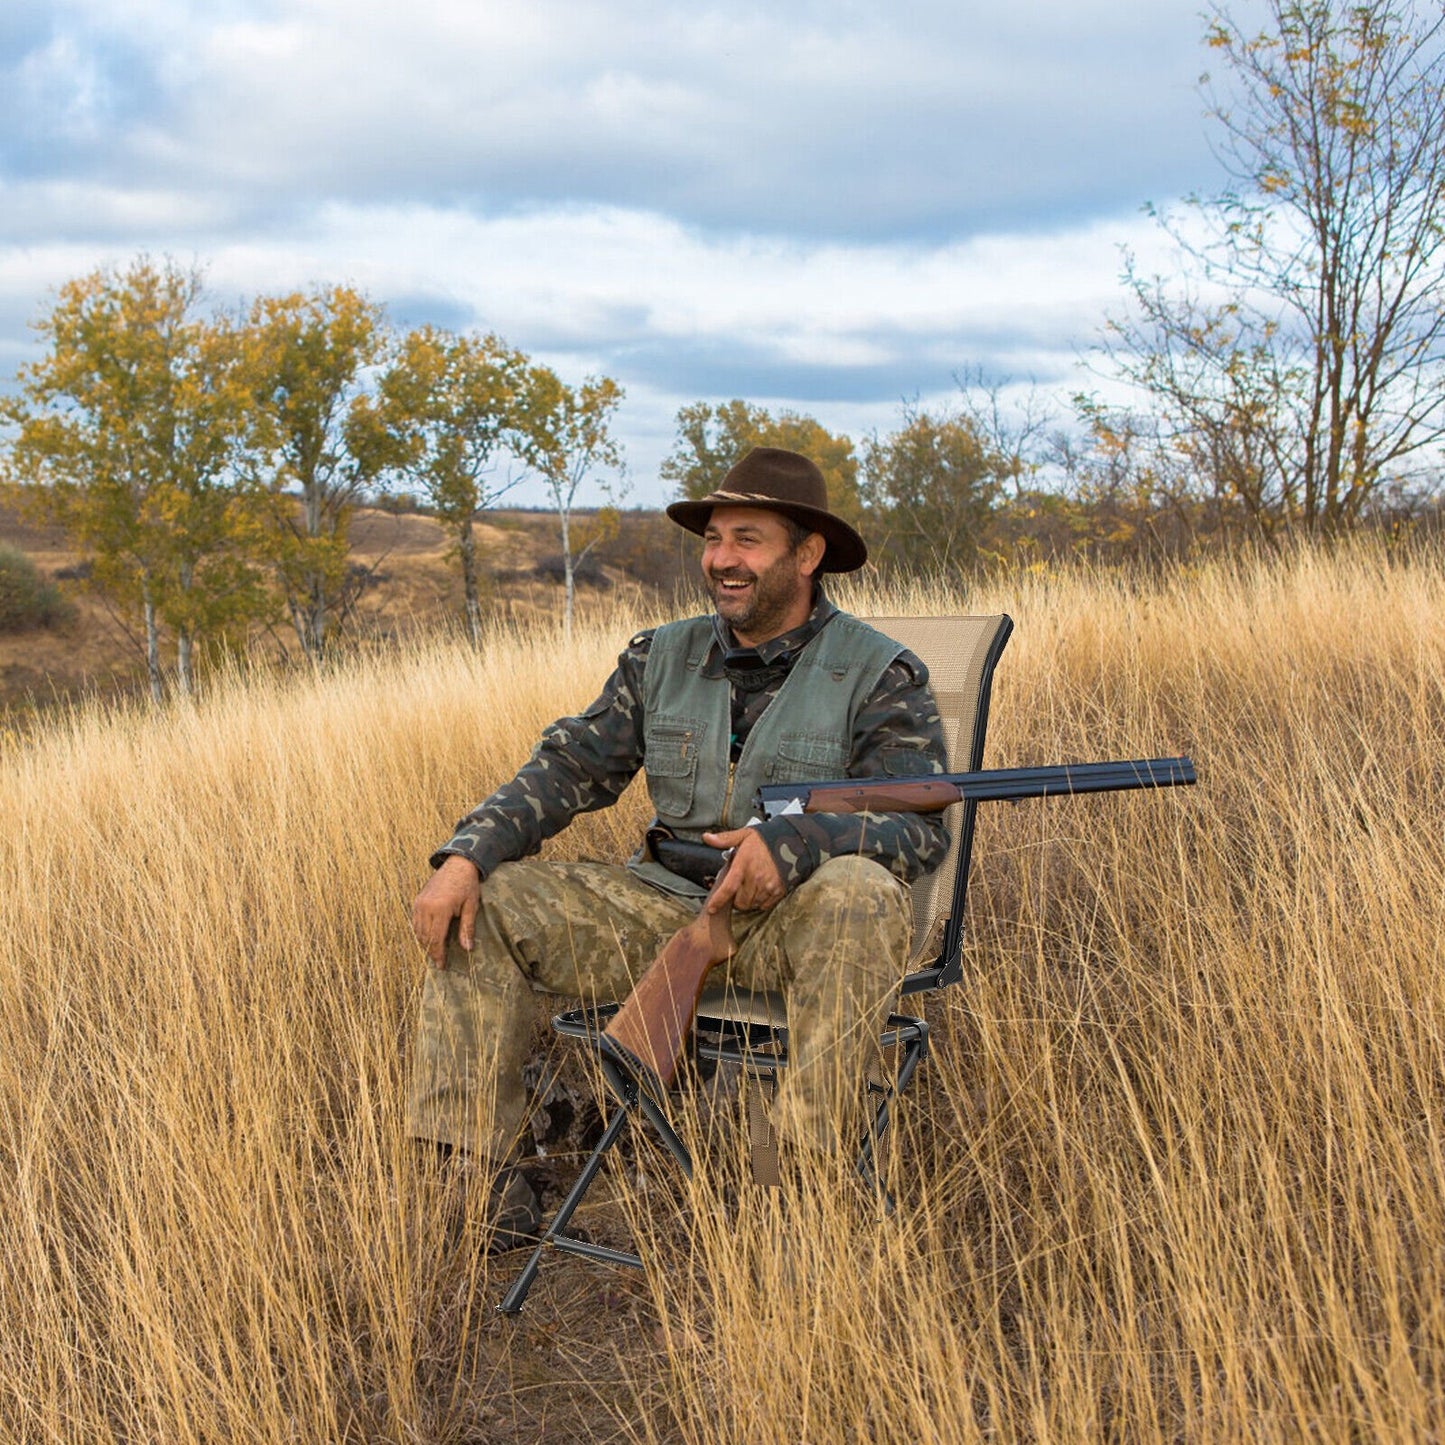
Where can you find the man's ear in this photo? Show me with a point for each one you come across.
(810, 553)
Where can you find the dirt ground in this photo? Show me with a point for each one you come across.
(560, 1356)
(92, 651)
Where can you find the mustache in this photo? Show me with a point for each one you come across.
(733, 574)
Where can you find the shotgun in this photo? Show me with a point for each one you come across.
(932, 793)
(648, 1032)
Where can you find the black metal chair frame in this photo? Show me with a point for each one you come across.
(760, 1048)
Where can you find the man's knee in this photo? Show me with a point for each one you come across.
(574, 928)
(858, 885)
(526, 908)
(851, 907)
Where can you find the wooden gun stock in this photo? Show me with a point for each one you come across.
(651, 1027)
(903, 796)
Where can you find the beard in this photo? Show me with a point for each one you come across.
(764, 607)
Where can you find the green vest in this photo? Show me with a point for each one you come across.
(806, 732)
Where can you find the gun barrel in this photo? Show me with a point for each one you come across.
(851, 794)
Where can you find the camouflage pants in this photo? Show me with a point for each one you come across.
(835, 946)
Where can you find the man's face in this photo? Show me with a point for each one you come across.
(759, 584)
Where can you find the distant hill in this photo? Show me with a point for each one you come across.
(409, 582)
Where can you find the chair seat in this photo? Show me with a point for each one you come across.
(727, 1004)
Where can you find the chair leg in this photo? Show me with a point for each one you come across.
(631, 1096)
(911, 1036)
(521, 1286)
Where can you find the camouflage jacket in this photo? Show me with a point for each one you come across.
(583, 763)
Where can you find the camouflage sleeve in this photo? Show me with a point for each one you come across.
(898, 732)
(581, 764)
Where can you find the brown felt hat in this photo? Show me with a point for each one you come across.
(782, 481)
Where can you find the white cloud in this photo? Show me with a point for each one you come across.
(825, 204)
(38, 211)
(580, 274)
(651, 302)
(841, 119)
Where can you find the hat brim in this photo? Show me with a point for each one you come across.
(846, 550)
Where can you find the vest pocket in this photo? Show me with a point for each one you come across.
(671, 764)
(803, 757)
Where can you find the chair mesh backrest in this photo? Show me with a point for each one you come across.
(960, 653)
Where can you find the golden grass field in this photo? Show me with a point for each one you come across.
(1178, 1151)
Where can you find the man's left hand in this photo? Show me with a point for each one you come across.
(752, 883)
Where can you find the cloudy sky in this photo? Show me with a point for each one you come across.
(817, 204)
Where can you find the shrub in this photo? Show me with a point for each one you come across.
(26, 599)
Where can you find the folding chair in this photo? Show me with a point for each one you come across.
(751, 1029)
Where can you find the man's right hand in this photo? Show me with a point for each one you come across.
(453, 891)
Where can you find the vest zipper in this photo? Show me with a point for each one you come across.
(728, 795)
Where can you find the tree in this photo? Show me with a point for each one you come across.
(125, 433)
(452, 404)
(316, 430)
(933, 484)
(711, 438)
(1119, 492)
(1300, 358)
(564, 435)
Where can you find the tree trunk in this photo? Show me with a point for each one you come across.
(569, 581)
(153, 645)
(467, 548)
(308, 616)
(185, 638)
(184, 648)
(301, 626)
(317, 621)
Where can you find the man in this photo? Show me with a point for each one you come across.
(776, 685)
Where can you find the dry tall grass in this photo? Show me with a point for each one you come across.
(1181, 1171)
